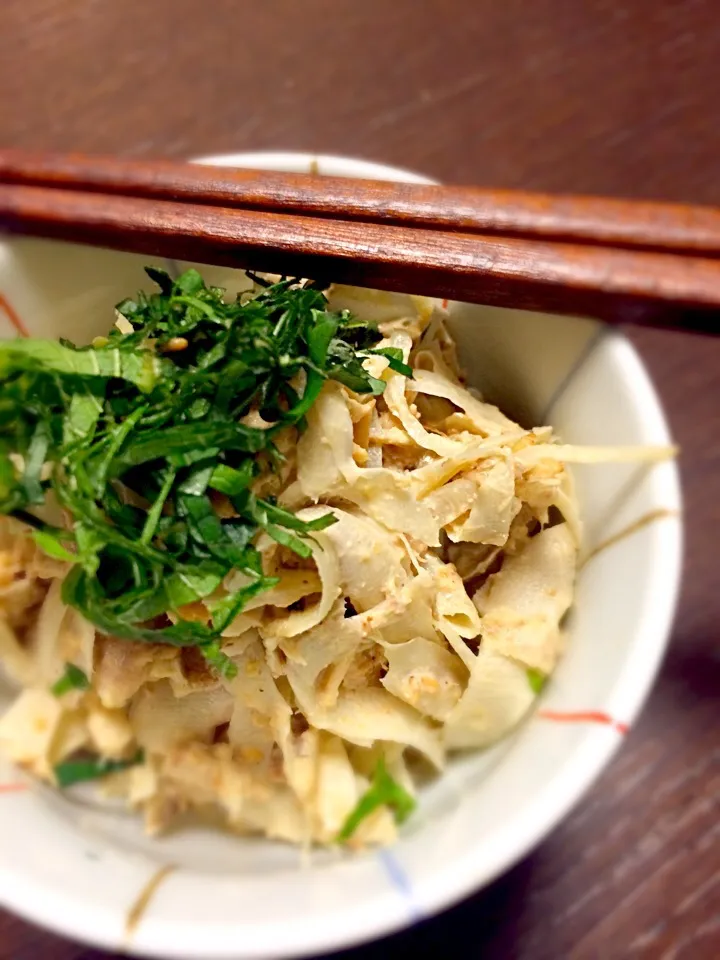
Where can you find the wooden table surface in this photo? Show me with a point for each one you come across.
(602, 96)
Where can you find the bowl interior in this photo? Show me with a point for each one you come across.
(222, 898)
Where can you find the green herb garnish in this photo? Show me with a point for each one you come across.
(383, 791)
(394, 356)
(70, 772)
(536, 678)
(137, 435)
(218, 660)
(73, 679)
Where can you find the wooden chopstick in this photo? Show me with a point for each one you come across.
(616, 284)
(606, 222)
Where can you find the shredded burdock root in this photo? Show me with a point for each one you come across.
(260, 556)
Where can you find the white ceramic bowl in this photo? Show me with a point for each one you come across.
(79, 870)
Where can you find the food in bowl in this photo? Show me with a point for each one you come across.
(266, 559)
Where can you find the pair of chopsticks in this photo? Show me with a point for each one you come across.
(621, 261)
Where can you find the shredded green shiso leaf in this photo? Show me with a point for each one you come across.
(383, 791)
(155, 413)
(537, 679)
(72, 679)
(82, 769)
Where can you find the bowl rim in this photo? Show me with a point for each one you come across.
(59, 911)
